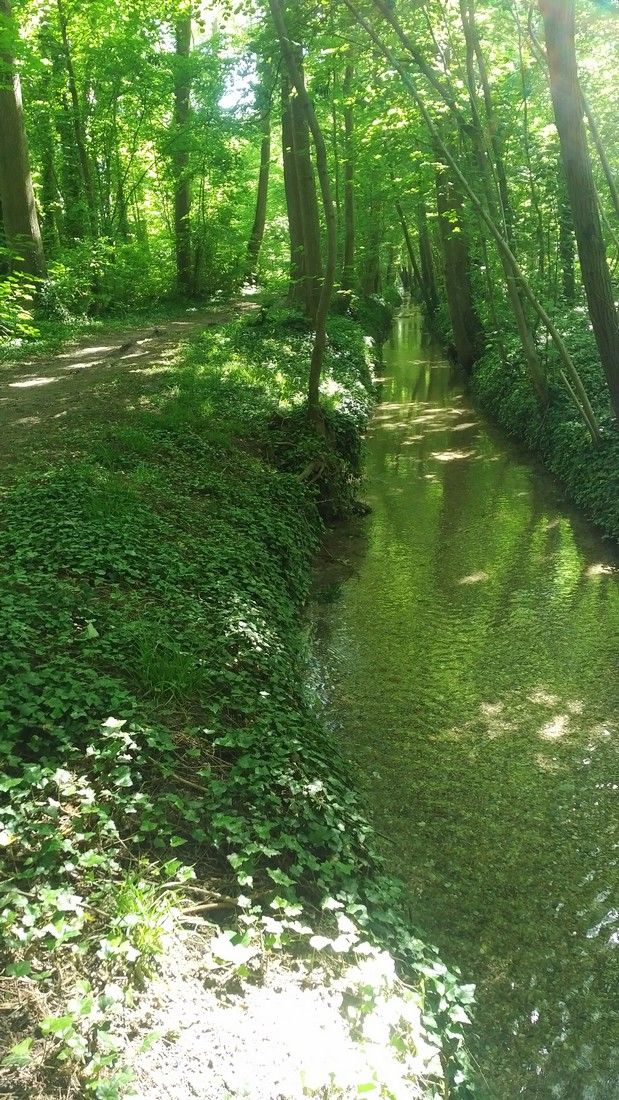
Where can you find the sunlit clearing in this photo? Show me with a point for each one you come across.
(32, 382)
(474, 578)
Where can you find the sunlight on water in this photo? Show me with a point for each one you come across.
(468, 655)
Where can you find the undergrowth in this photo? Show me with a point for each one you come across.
(589, 473)
(160, 747)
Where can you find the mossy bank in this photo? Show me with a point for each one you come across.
(163, 762)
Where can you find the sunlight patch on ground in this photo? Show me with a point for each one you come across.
(282, 1035)
(557, 727)
(543, 698)
(82, 353)
(600, 569)
(28, 382)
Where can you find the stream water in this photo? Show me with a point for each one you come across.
(467, 636)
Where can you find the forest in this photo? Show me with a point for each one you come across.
(212, 216)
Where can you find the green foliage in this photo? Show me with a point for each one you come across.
(159, 578)
(17, 293)
(589, 474)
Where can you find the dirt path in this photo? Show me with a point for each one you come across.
(104, 378)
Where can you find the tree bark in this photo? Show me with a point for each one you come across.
(293, 209)
(78, 125)
(569, 374)
(19, 213)
(427, 263)
(180, 155)
(348, 265)
(560, 31)
(308, 198)
(322, 165)
(263, 102)
(464, 321)
(412, 258)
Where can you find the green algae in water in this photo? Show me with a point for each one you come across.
(470, 659)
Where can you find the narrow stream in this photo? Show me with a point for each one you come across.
(467, 637)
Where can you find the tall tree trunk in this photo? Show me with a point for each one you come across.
(569, 374)
(348, 265)
(296, 291)
(464, 321)
(322, 164)
(308, 198)
(180, 155)
(560, 30)
(263, 102)
(494, 181)
(427, 262)
(78, 124)
(567, 247)
(601, 152)
(412, 259)
(19, 213)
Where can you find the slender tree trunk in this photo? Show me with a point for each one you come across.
(494, 181)
(464, 321)
(560, 29)
(569, 374)
(370, 275)
(428, 275)
(322, 165)
(308, 198)
(348, 267)
(296, 291)
(567, 246)
(180, 155)
(78, 125)
(601, 152)
(260, 214)
(19, 213)
(412, 258)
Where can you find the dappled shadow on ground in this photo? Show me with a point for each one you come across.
(43, 399)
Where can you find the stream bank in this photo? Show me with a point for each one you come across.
(467, 636)
(182, 850)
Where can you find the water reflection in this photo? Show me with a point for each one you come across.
(470, 656)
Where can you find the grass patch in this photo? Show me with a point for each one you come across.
(161, 754)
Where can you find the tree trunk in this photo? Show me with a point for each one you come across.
(464, 321)
(263, 102)
(567, 245)
(180, 155)
(412, 258)
(296, 289)
(308, 198)
(78, 125)
(427, 263)
(322, 165)
(348, 266)
(569, 374)
(19, 213)
(560, 30)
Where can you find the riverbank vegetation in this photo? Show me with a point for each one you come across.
(164, 766)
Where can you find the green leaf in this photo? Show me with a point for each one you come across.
(19, 1055)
